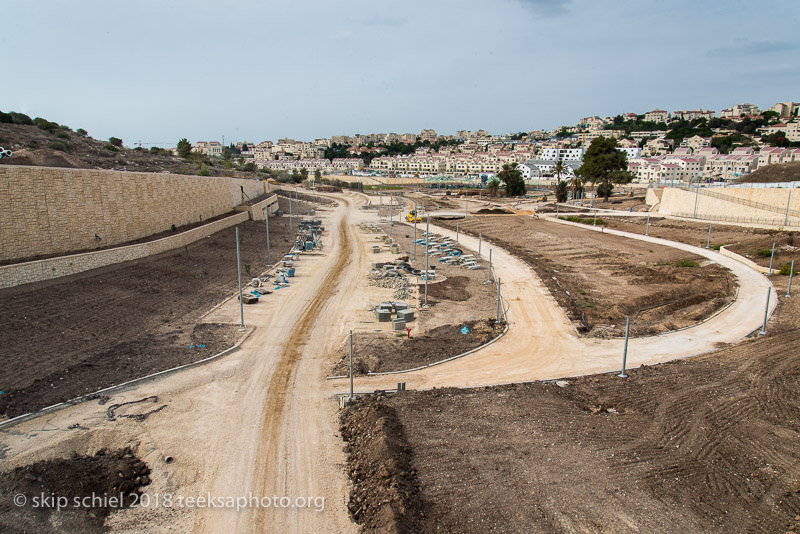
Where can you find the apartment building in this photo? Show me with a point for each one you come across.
(696, 142)
(739, 110)
(631, 152)
(539, 168)
(790, 129)
(786, 110)
(657, 115)
(564, 154)
(210, 148)
(693, 114)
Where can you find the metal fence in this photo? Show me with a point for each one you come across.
(766, 221)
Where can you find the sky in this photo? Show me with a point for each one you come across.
(156, 72)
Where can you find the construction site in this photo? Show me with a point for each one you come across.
(285, 358)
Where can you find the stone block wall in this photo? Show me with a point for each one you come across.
(47, 211)
(47, 269)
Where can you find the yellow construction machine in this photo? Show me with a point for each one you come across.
(413, 217)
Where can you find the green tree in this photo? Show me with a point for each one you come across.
(603, 164)
(184, 148)
(295, 176)
(317, 175)
(512, 177)
(116, 141)
(558, 169)
(227, 154)
(81, 132)
(492, 186)
(576, 182)
(303, 174)
(561, 190)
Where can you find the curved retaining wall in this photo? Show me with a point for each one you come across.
(47, 269)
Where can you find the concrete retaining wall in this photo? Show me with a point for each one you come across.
(739, 257)
(45, 211)
(37, 271)
(680, 202)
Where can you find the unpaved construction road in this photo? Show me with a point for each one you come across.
(541, 343)
(255, 422)
(262, 421)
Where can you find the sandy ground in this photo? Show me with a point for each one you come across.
(263, 420)
(541, 343)
(256, 421)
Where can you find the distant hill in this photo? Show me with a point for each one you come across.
(782, 172)
(51, 145)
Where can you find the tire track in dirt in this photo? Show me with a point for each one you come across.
(283, 376)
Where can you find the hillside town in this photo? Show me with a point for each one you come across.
(684, 145)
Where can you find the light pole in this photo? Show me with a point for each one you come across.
(239, 271)
(266, 218)
(427, 254)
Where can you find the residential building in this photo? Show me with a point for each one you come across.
(564, 154)
(786, 110)
(694, 114)
(696, 142)
(210, 148)
(790, 129)
(739, 111)
(657, 115)
(631, 152)
(428, 135)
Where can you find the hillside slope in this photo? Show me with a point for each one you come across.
(784, 172)
(65, 148)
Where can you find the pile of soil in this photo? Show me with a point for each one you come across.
(70, 336)
(784, 172)
(382, 352)
(70, 484)
(600, 279)
(706, 444)
(384, 496)
(493, 211)
(454, 288)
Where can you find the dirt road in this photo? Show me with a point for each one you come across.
(541, 344)
(259, 412)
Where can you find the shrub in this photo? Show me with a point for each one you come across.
(203, 170)
(65, 127)
(82, 132)
(764, 252)
(686, 263)
(110, 147)
(62, 135)
(6, 118)
(786, 269)
(21, 118)
(58, 145)
(44, 124)
(116, 141)
(581, 220)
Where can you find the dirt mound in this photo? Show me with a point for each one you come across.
(113, 478)
(384, 495)
(455, 288)
(784, 172)
(493, 211)
(375, 352)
